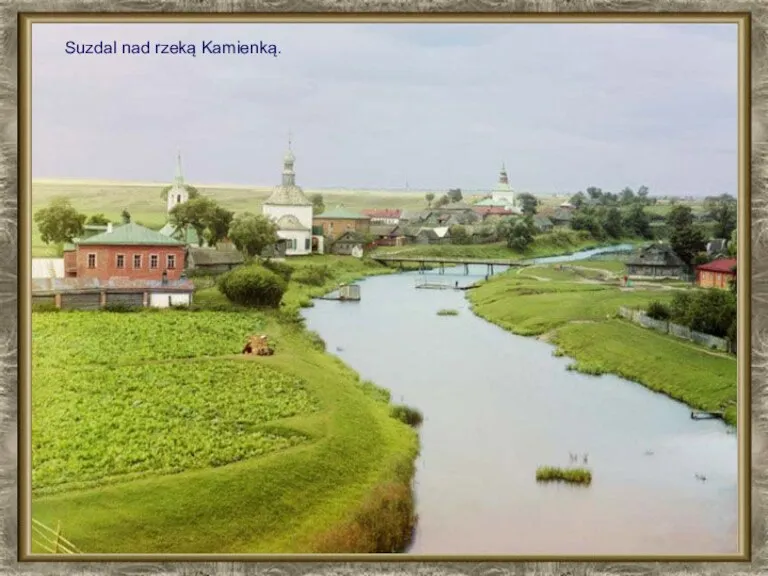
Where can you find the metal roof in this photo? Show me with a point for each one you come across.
(131, 234)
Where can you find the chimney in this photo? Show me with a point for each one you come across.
(109, 227)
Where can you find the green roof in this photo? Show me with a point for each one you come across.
(171, 231)
(131, 234)
(341, 213)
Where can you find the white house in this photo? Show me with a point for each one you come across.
(503, 192)
(291, 210)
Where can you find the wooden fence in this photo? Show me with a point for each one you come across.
(51, 540)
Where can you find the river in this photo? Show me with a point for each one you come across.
(497, 406)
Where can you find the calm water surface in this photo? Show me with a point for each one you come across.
(497, 406)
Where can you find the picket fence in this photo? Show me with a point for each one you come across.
(682, 332)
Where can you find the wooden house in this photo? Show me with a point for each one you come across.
(716, 274)
(657, 261)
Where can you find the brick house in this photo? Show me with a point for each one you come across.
(339, 220)
(716, 274)
(128, 251)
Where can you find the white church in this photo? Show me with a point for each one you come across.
(178, 194)
(291, 210)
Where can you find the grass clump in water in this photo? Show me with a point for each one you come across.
(447, 312)
(570, 475)
(407, 415)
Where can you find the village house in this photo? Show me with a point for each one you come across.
(350, 243)
(339, 220)
(717, 247)
(542, 223)
(390, 216)
(210, 261)
(486, 212)
(657, 261)
(387, 235)
(126, 251)
(716, 274)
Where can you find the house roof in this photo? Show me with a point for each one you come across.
(493, 210)
(341, 213)
(656, 255)
(542, 221)
(562, 214)
(383, 212)
(211, 256)
(724, 265)
(290, 222)
(350, 237)
(72, 284)
(172, 231)
(131, 234)
(717, 245)
(385, 230)
(456, 206)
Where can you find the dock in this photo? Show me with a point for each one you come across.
(344, 293)
(427, 285)
(701, 415)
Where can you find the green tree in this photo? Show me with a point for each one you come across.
(519, 234)
(430, 197)
(252, 233)
(195, 213)
(442, 201)
(459, 234)
(612, 222)
(217, 225)
(125, 216)
(722, 211)
(59, 222)
(637, 223)
(642, 195)
(253, 285)
(318, 204)
(733, 243)
(685, 238)
(577, 200)
(98, 220)
(528, 203)
(454, 195)
(627, 196)
(588, 221)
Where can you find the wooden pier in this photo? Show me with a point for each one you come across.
(701, 415)
(441, 263)
(427, 285)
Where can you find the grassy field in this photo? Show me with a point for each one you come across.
(159, 443)
(580, 319)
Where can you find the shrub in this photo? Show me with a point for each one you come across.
(254, 286)
(316, 340)
(570, 475)
(709, 311)
(285, 271)
(377, 393)
(122, 308)
(44, 308)
(658, 311)
(407, 415)
(315, 275)
(447, 312)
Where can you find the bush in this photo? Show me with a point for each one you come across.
(312, 275)
(122, 308)
(710, 311)
(253, 286)
(44, 308)
(658, 311)
(447, 312)
(570, 475)
(285, 271)
(407, 415)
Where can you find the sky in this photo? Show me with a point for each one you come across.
(382, 106)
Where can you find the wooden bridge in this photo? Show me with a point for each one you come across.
(427, 261)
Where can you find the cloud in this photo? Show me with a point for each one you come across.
(564, 105)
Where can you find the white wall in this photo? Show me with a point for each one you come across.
(166, 299)
(173, 199)
(302, 213)
(301, 237)
(47, 268)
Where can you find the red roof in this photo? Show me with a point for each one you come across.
(491, 210)
(725, 265)
(383, 213)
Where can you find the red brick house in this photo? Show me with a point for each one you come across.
(127, 251)
(716, 274)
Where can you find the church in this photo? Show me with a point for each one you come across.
(291, 210)
(178, 194)
(502, 195)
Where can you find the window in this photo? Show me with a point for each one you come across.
(153, 260)
(293, 244)
(120, 261)
(137, 260)
(171, 261)
(306, 244)
(91, 260)
(178, 198)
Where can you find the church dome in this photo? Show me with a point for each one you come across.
(288, 193)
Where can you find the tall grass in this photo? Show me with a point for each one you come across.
(569, 475)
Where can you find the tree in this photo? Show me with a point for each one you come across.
(519, 234)
(722, 211)
(685, 239)
(612, 222)
(98, 220)
(442, 201)
(637, 223)
(192, 192)
(627, 196)
(577, 200)
(59, 222)
(529, 203)
(430, 197)
(251, 233)
(125, 216)
(253, 285)
(454, 195)
(733, 243)
(587, 220)
(642, 194)
(459, 234)
(217, 225)
(594, 193)
(318, 204)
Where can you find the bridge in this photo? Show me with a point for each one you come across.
(433, 261)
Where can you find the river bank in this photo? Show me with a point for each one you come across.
(580, 318)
